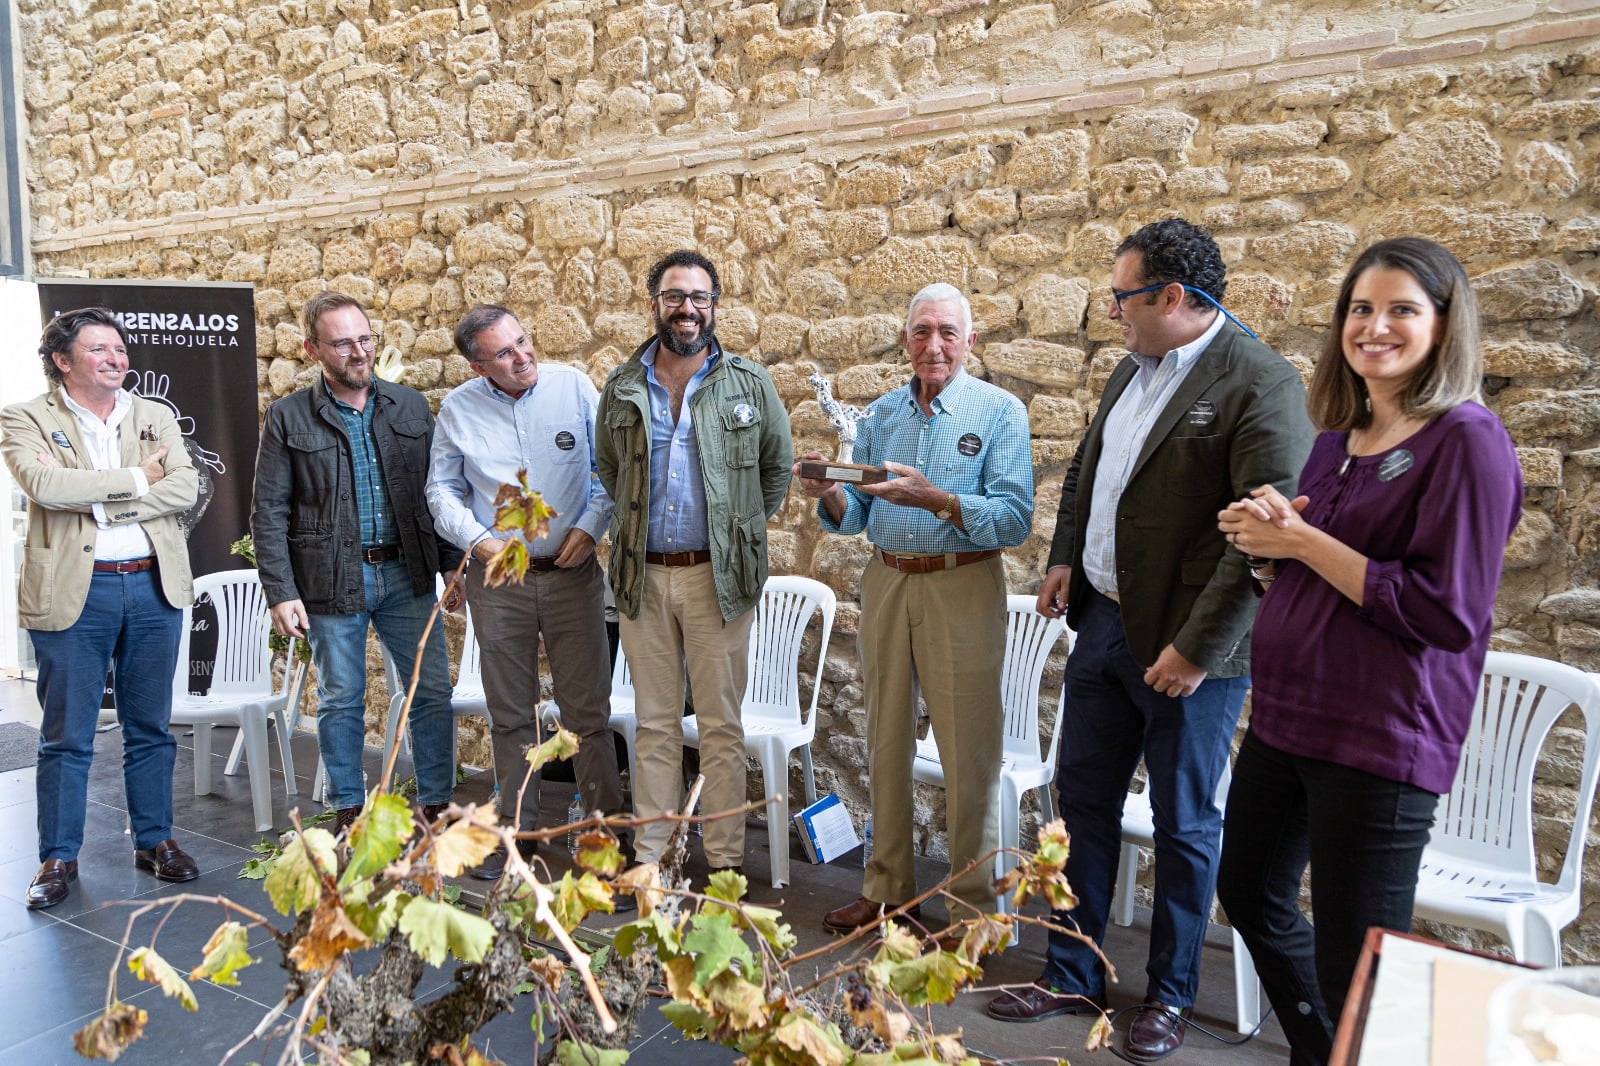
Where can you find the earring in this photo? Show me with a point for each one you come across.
(1367, 400)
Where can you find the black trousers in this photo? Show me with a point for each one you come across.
(1363, 838)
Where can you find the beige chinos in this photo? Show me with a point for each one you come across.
(944, 632)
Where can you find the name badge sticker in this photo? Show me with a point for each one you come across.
(60, 438)
(1394, 464)
(566, 441)
(1203, 413)
(969, 444)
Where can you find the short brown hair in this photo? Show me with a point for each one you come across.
(321, 304)
(62, 331)
(477, 319)
(1451, 375)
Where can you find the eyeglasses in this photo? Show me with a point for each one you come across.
(522, 343)
(1120, 296)
(675, 298)
(346, 348)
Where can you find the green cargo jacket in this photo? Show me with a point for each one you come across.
(745, 460)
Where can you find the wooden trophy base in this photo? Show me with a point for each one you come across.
(853, 473)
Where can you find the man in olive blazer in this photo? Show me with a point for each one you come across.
(105, 575)
(1198, 415)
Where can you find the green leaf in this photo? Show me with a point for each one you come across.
(818, 1044)
(254, 869)
(292, 884)
(716, 945)
(577, 1053)
(575, 899)
(561, 745)
(695, 1024)
(377, 837)
(146, 965)
(224, 955)
(930, 978)
(436, 928)
(654, 931)
(598, 959)
(375, 921)
(728, 886)
(769, 924)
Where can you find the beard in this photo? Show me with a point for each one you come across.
(360, 378)
(688, 349)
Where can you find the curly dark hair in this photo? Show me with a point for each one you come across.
(63, 330)
(684, 257)
(1176, 250)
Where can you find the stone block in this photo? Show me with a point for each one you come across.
(561, 330)
(423, 257)
(1574, 605)
(967, 169)
(496, 111)
(488, 242)
(986, 210)
(654, 228)
(1445, 157)
(445, 298)
(409, 297)
(737, 328)
(1197, 183)
(814, 292)
(864, 383)
(851, 233)
(245, 266)
(994, 314)
(1261, 301)
(1541, 467)
(1268, 214)
(904, 266)
(1056, 416)
(389, 227)
(1547, 168)
(870, 183)
(1035, 361)
(921, 216)
(484, 284)
(1118, 186)
(292, 261)
(837, 562)
(1475, 236)
(343, 256)
(1271, 137)
(1532, 359)
(1059, 158)
(573, 221)
(1023, 249)
(1301, 174)
(782, 335)
(430, 25)
(834, 339)
(1566, 115)
(1553, 415)
(1054, 305)
(1149, 132)
(1316, 247)
(1539, 290)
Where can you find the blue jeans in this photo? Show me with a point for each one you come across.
(1363, 836)
(1111, 718)
(339, 650)
(127, 624)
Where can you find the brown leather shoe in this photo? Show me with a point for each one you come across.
(344, 818)
(1157, 1031)
(168, 862)
(1036, 1003)
(49, 885)
(860, 913)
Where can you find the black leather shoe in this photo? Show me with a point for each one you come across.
(494, 865)
(49, 885)
(168, 862)
(1157, 1031)
(1036, 1003)
(862, 912)
(344, 818)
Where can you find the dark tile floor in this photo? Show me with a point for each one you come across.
(54, 964)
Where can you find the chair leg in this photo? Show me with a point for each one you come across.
(775, 771)
(1246, 987)
(202, 758)
(257, 755)
(285, 755)
(810, 778)
(232, 766)
(1010, 802)
(1127, 877)
(1539, 944)
(319, 784)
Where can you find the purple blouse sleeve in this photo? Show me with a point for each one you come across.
(1443, 588)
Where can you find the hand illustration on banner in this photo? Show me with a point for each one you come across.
(153, 386)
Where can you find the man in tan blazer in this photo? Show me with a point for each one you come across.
(105, 573)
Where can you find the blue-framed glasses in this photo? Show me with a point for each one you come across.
(1206, 296)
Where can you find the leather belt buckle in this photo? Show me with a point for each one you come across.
(124, 566)
(543, 564)
(687, 558)
(380, 553)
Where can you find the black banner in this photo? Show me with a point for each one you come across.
(191, 347)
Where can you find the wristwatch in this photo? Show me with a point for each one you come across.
(948, 511)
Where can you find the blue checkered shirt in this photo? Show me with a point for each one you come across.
(372, 499)
(976, 445)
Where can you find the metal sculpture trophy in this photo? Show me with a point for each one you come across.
(844, 420)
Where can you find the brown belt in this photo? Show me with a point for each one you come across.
(124, 566)
(542, 563)
(678, 558)
(380, 553)
(927, 564)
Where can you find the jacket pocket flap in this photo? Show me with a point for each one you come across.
(411, 427)
(308, 442)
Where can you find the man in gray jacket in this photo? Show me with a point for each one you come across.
(693, 445)
(343, 538)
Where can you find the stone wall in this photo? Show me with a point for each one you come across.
(833, 158)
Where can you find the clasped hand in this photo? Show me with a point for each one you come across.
(1265, 524)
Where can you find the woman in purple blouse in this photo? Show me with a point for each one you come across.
(1379, 583)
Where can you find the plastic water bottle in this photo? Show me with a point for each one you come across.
(575, 814)
(866, 843)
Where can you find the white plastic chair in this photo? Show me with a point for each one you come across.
(1030, 637)
(299, 672)
(775, 723)
(1139, 831)
(1479, 869)
(241, 692)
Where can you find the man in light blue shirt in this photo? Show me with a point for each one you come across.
(933, 600)
(517, 415)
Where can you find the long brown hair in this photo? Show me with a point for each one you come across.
(1451, 375)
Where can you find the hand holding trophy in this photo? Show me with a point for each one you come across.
(844, 420)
